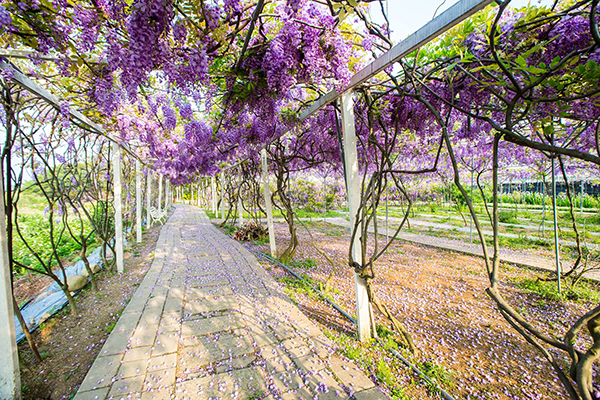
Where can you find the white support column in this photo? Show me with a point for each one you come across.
(240, 203)
(167, 194)
(269, 206)
(198, 197)
(353, 192)
(213, 194)
(222, 195)
(10, 378)
(118, 206)
(159, 206)
(148, 198)
(138, 201)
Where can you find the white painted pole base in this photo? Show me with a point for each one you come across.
(138, 201)
(363, 309)
(240, 203)
(363, 314)
(213, 194)
(160, 193)
(10, 378)
(269, 206)
(167, 194)
(148, 198)
(222, 195)
(118, 207)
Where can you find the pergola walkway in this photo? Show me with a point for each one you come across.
(208, 322)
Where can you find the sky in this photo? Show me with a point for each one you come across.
(406, 16)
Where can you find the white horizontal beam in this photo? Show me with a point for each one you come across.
(446, 20)
(27, 54)
(39, 91)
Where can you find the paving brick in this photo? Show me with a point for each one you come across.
(166, 343)
(241, 384)
(291, 379)
(137, 353)
(144, 335)
(310, 363)
(129, 387)
(131, 369)
(97, 394)
(163, 379)
(231, 364)
(115, 344)
(162, 362)
(150, 317)
(215, 349)
(158, 394)
(210, 304)
(370, 394)
(101, 373)
(206, 326)
(348, 373)
(195, 293)
(298, 394)
(325, 385)
(128, 324)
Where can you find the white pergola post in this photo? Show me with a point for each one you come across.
(268, 205)
(159, 207)
(10, 378)
(222, 195)
(167, 194)
(118, 206)
(240, 203)
(353, 191)
(148, 197)
(213, 194)
(198, 196)
(138, 201)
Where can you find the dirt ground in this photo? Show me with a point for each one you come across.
(69, 343)
(440, 297)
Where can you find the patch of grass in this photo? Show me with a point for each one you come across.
(210, 214)
(261, 241)
(372, 357)
(110, 327)
(384, 373)
(44, 353)
(296, 286)
(308, 263)
(582, 292)
(70, 374)
(229, 229)
(507, 217)
(521, 242)
(438, 374)
(387, 336)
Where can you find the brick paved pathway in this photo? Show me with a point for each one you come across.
(208, 322)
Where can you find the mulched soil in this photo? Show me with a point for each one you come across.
(69, 343)
(440, 297)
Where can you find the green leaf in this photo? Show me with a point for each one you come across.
(353, 3)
